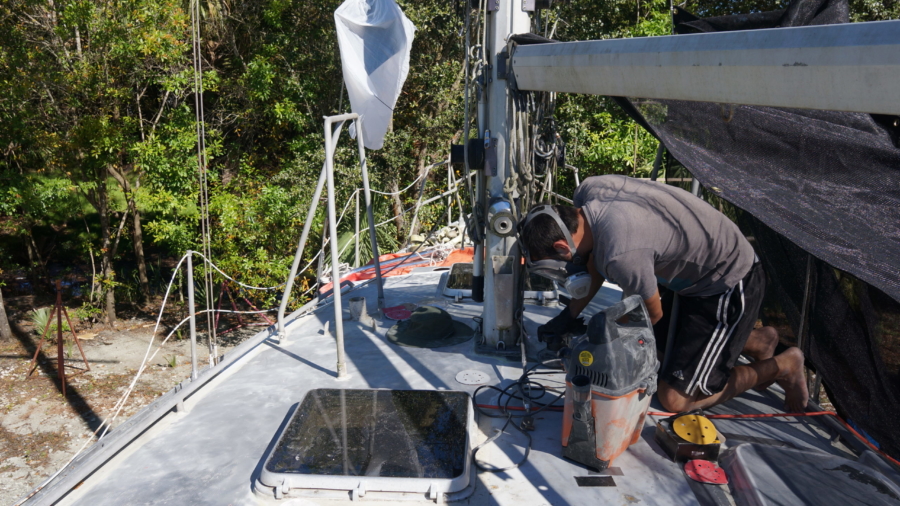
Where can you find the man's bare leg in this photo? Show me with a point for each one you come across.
(761, 346)
(786, 369)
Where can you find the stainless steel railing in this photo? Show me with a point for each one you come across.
(326, 177)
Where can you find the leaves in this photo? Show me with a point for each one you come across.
(100, 95)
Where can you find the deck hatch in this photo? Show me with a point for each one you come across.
(395, 440)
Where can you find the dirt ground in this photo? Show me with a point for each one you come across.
(40, 430)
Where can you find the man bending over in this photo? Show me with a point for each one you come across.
(649, 238)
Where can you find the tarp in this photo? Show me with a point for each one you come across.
(819, 183)
(391, 266)
(375, 39)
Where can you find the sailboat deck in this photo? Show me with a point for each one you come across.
(212, 452)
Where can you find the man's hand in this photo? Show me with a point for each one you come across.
(564, 323)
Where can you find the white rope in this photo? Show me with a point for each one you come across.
(327, 239)
(346, 206)
(244, 285)
(412, 225)
(385, 222)
(162, 308)
(120, 404)
(143, 367)
(250, 287)
(432, 199)
(442, 251)
(398, 192)
(117, 406)
(299, 272)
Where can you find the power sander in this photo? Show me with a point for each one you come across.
(610, 378)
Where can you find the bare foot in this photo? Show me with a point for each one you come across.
(790, 366)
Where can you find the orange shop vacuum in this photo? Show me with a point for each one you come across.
(610, 378)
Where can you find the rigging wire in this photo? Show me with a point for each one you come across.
(467, 107)
(202, 167)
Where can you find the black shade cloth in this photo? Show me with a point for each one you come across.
(854, 332)
(822, 182)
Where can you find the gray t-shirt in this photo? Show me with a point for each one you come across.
(647, 233)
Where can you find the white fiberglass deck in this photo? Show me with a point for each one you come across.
(213, 453)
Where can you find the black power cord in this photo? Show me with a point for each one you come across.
(529, 392)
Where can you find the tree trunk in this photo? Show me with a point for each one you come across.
(5, 331)
(106, 251)
(32, 261)
(36, 262)
(420, 172)
(138, 236)
(93, 265)
(137, 232)
(397, 206)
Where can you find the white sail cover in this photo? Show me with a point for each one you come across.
(375, 38)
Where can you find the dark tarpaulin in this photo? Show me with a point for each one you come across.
(822, 182)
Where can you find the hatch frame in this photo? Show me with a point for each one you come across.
(282, 483)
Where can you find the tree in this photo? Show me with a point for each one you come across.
(5, 331)
(95, 68)
(98, 124)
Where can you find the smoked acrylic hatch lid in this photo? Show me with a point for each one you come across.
(361, 440)
(429, 327)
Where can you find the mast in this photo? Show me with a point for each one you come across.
(501, 254)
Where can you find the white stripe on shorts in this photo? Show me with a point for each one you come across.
(703, 381)
(717, 336)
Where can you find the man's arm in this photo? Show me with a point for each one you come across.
(635, 273)
(654, 307)
(578, 305)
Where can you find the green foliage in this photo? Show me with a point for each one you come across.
(40, 318)
(88, 313)
(95, 89)
(601, 138)
(874, 10)
(89, 82)
(387, 238)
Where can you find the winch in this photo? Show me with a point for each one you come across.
(611, 376)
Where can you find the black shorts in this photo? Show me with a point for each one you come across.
(710, 334)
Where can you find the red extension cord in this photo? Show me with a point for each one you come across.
(738, 417)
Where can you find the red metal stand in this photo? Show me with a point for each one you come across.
(59, 310)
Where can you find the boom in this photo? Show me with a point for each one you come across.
(848, 67)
